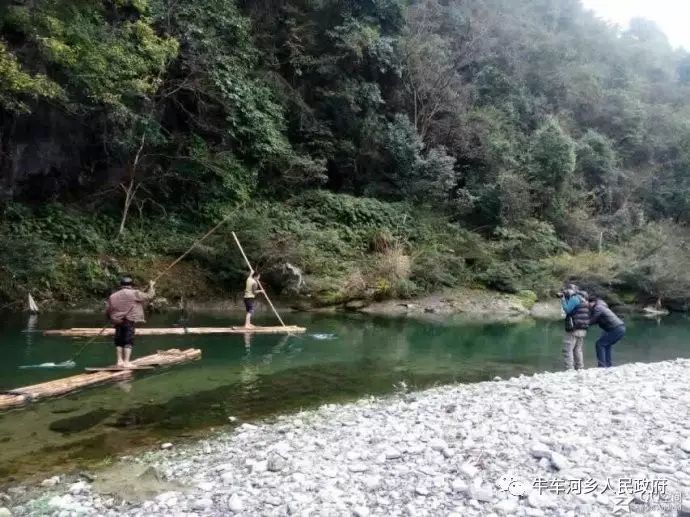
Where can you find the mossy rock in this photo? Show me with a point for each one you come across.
(527, 298)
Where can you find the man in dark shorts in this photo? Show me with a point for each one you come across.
(251, 289)
(125, 310)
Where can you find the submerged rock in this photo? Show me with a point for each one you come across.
(50, 482)
(80, 423)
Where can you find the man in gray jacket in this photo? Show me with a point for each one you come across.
(613, 328)
(126, 309)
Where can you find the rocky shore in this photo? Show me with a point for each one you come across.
(593, 443)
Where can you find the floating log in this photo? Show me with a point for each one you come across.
(9, 401)
(180, 331)
(115, 368)
(168, 357)
(653, 311)
(21, 396)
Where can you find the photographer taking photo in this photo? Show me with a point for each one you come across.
(576, 307)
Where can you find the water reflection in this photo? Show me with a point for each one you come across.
(253, 375)
(29, 332)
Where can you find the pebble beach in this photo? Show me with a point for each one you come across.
(596, 442)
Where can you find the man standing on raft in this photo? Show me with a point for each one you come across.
(125, 310)
(251, 289)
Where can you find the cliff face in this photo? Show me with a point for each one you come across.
(50, 154)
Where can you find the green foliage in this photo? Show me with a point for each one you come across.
(16, 86)
(413, 175)
(654, 263)
(107, 58)
(423, 120)
(596, 159)
(27, 260)
(54, 224)
(552, 159)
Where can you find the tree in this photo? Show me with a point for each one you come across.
(597, 163)
(552, 163)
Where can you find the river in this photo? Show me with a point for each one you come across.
(247, 378)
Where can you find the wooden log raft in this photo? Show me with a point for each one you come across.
(180, 331)
(21, 396)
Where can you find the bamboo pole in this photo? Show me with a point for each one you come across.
(179, 331)
(251, 269)
(172, 265)
(198, 241)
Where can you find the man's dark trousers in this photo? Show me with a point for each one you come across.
(604, 344)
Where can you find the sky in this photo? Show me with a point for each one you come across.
(672, 16)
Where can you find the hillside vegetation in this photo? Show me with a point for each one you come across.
(385, 148)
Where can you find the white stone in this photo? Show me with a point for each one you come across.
(299, 478)
(483, 493)
(507, 506)
(361, 511)
(447, 453)
(372, 482)
(459, 485)
(415, 449)
(206, 486)
(227, 478)
(275, 464)
(537, 500)
(469, 470)
(663, 469)
(539, 450)
(50, 482)
(685, 446)
(559, 461)
(616, 452)
(4, 512)
(668, 439)
(422, 490)
(260, 466)
(392, 454)
(202, 504)
(235, 503)
(166, 496)
(166, 446)
(545, 464)
(438, 445)
(79, 487)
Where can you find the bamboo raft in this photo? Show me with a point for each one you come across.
(19, 397)
(181, 331)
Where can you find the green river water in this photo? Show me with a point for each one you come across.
(259, 376)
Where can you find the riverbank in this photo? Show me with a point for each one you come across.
(473, 303)
(444, 451)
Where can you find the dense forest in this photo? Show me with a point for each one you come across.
(384, 147)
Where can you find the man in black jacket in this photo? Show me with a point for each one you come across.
(576, 308)
(613, 328)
